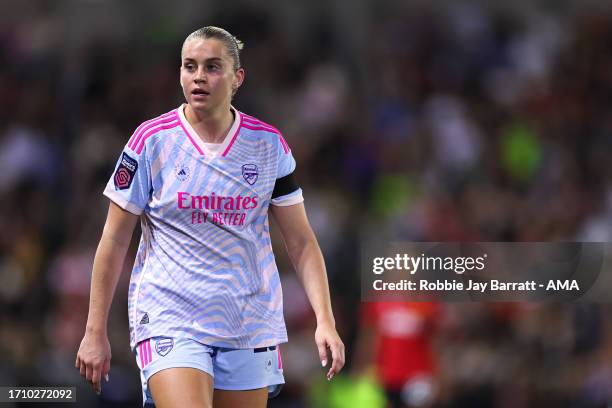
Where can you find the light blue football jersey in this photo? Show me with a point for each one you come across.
(204, 268)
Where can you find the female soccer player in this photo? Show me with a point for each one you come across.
(205, 303)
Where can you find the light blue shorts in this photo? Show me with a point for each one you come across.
(231, 369)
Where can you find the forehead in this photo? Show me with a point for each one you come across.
(202, 49)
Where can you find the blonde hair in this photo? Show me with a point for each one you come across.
(232, 44)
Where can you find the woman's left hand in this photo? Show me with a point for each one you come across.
(326, 337)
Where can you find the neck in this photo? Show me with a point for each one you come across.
(211, 127)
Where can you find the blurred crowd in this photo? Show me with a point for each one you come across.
(420, 122)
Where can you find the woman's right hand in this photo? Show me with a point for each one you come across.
(93, 359)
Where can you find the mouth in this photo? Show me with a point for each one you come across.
(199, 92)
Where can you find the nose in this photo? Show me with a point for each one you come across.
(200, 75)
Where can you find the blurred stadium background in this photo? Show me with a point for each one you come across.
(430, 120)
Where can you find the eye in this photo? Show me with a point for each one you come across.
(189, 66)
(213, 67)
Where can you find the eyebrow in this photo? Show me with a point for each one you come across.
(213, 59)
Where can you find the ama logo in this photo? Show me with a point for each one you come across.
(250, 173)
(164, 345)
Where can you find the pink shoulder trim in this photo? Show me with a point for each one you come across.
(151, 127)
(255, 124)
(132, 143)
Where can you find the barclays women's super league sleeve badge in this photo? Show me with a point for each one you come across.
(125, 172)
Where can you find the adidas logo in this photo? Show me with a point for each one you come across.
(145, 319)
(182, 172)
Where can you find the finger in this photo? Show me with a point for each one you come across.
(95, 375)
(96, 380)
(322, 353)
(77, 361)
(89, 372)
(106, 370)
(332, 369)
(82, 368)
(338, 360)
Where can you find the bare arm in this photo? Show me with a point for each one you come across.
(308, 262)
(108, 264)
(93, 357)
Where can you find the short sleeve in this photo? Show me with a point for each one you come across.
(286, 162)
(290, 192)
(130, 185)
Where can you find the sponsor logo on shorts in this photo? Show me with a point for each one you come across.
(268, 364)
(145, 319)
(164, 345)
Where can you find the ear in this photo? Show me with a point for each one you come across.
(238, 78)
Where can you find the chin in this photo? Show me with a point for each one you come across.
(199, 105)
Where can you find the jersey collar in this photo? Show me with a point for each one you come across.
(228, 140)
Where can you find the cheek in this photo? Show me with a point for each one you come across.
(218, 84)
(228, 83)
